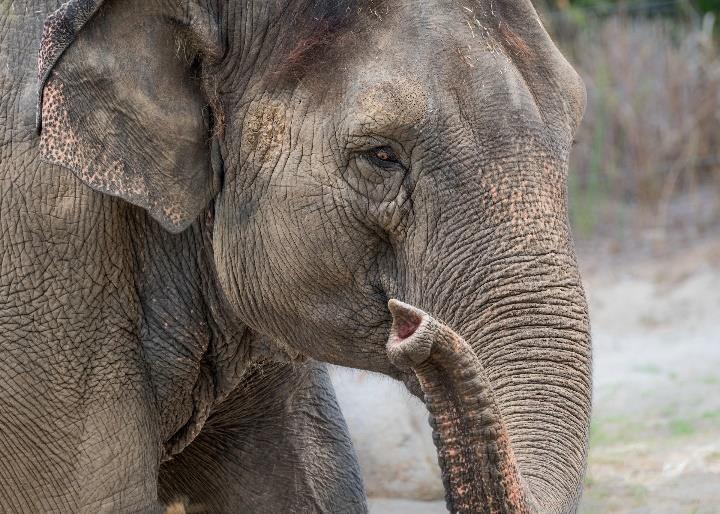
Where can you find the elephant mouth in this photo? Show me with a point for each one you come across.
(479, 469)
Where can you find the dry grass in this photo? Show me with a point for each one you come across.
(647, 154)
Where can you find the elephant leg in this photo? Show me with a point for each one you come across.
(279, 443)
(82, 439)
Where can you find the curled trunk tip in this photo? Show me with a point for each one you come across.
(480, 472)
(407, 347)
(406, 318)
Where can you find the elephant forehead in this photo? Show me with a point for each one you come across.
(400, 102)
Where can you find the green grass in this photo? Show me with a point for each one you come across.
(711, 415)
(710, 380)
(650, 369)
(680, 428)
(599, 436)
(611, 430)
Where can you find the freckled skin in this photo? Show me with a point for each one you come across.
(217, 196)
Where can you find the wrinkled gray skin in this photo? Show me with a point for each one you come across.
(238, 188)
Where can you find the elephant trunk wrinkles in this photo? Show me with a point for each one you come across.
(479, 469)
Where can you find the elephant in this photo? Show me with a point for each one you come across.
(206, 202)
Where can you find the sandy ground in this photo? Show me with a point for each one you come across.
(655, 442)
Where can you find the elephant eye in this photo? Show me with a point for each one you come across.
(383, 156)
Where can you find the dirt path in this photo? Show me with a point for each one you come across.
(655, 442)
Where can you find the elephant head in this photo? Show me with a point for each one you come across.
(353, 153)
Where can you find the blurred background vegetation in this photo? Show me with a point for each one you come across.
(645, 170)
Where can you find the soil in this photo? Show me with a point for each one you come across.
(655, 439)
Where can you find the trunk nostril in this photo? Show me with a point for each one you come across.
(406, 319)
(407, 345)
(407, 329)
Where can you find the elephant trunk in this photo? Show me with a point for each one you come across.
(479, 469)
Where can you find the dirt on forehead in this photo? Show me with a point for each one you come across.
(264, 130)
(402, 102)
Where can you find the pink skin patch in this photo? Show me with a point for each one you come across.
(406, 320)
(407, 327)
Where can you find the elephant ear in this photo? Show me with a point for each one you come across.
(122, 102)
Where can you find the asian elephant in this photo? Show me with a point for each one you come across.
(204, 200)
